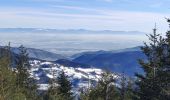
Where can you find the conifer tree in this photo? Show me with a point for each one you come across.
(7, 77)
(104, 90)
(122, 88)
(130, 95)
(126, 88)
(84, 94)
(164, 71)
(25, 84)
(52, 93)
(156, 78)
(22, 67)
(64, 87)
(60, 88)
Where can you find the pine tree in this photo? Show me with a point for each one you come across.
(25, 84)
(156, 78)
(130, 95)
(52, 93)
(64, 87)
(60, 88)
(122, 88)
(126, 88)
(84, 94)
(7, 77)
(104, 90)
(164, 72)
(21, 68)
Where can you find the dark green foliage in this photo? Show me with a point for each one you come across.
(155, 84)
(22, 68)
(52, 93)
(84, 94)
(8, 77)
(60, 88)
(123, 88)
(64, 86)
(130, 90)
(7, 80)
(126, 88)
(25, 84)
(105, 89)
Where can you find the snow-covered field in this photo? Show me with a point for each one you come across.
(80, 77)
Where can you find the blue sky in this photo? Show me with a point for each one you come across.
(118, 15)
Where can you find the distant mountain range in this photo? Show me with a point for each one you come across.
(70, 31)
(116, 61)
(70, 63)
(38, 54)
(83, 66)
(125, 60)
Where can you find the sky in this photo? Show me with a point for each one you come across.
(116, 15)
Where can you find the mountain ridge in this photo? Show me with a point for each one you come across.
(124, 61)
(38, 54)
(47, 30)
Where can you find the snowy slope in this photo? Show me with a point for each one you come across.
(80, 77)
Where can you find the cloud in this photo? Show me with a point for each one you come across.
(71, 16)
(82, 9)
(108, 0)
(156, 5)
(105, 19)
(46, 0)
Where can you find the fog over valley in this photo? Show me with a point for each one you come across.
(72, 42)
